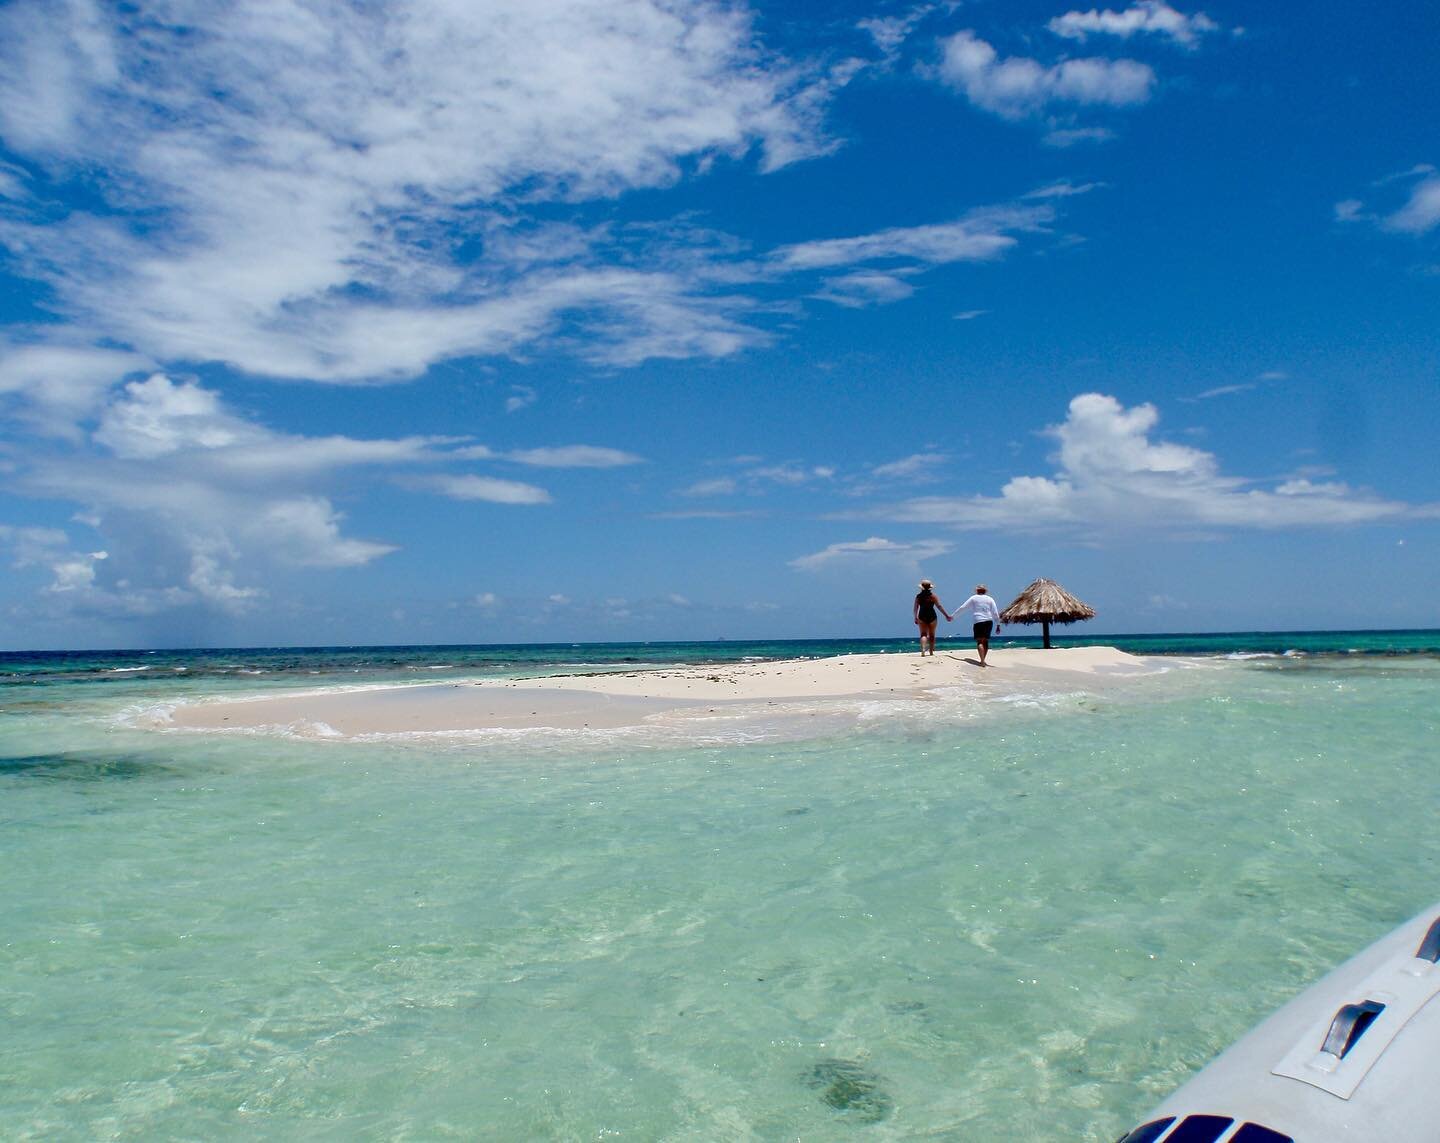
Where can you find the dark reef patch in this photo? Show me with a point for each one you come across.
(851, 1088)
(72, 767)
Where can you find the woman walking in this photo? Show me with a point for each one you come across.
(926, 604)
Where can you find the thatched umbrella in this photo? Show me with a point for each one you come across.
(1046, 602)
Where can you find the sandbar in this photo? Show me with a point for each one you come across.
(610, 699)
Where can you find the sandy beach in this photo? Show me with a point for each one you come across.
(628, 698)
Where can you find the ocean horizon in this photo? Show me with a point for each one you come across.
(984, 915)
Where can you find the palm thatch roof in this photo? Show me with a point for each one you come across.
(1045, 601)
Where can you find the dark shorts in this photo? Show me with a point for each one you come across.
(982, 630)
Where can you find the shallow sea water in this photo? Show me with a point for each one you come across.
(1028, 921)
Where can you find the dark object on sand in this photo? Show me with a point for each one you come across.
(1046, 602)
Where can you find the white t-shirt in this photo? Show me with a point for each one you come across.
(982, 607)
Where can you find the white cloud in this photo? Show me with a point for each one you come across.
(788, 474)
(1220, 391)
(1017, 86)
(875, 548)
(865, 288)
(29, 545)
(1418, 170)
(708, 514)
(1421, 212)
(157, 418)
(50, 548)
(299, 167)
(196, 501)
(1418, 214)
(1146, 17)
(311, 190)
(215, 583)
(920, 465)
(1062, 137)
(76, 573)
(980, 236)
(889, 32)
(55, 385)
(305, 531)
(488, 488)
(12, 182)
(970, 315)
(185, 471)
(756, 478)
(1112, 477)
(521, 397)
(718, 486)
(1349, 210)
(574, 456)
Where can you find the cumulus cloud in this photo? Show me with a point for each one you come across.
(1017, 86)
(191, 496)
(51, 386)
(50, 549)
(196, 501)
(875, 548)
(158, 417)
(1111, 476)
(1147, 17)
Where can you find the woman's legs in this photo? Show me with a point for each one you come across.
(927, 634)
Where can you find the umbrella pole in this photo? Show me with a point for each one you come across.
(1045, 627)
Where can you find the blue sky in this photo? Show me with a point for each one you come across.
(550, 320)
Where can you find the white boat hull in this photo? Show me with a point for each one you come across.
(1355, 1058)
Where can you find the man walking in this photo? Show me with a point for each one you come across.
(986, 616)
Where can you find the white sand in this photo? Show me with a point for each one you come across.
(606, 700)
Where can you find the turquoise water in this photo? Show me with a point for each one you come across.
(975, 919)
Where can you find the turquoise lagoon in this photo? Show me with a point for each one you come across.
(972, 919)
